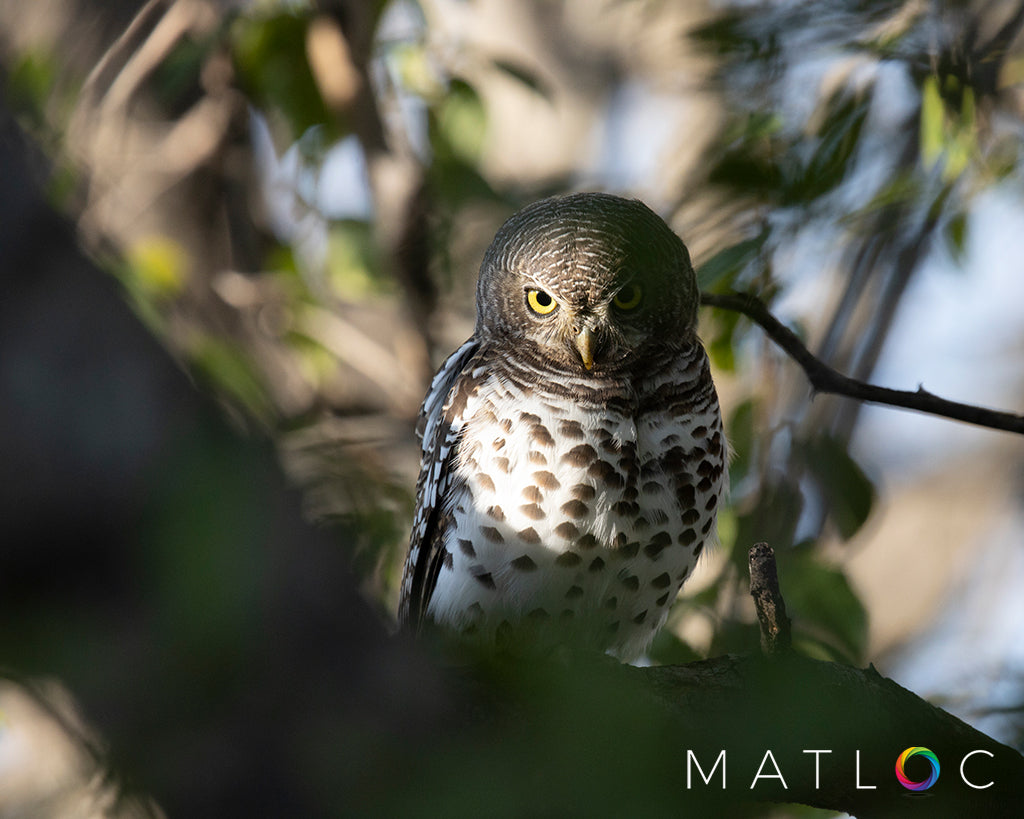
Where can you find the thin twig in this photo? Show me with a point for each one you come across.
(824, 379)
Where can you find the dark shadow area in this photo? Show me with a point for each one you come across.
(155, 561)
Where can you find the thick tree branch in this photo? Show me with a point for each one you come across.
(824, 379)
(857, 720)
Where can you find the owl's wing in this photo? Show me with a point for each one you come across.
(439, 427)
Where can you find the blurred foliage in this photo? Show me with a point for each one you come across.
(229, 373)
(353, 261)
(37, 93)
(798, 168)
(30, 83)
(159, 267)
(269, 51)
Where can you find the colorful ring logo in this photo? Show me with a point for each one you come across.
(924, 784)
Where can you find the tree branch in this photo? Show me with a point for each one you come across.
(824, 379)
(776, 636)
(858, 719)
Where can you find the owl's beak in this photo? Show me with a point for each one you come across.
(585, 346)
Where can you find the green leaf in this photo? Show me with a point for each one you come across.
(462, 122)
(822, 604)
(932, 118)
(280, 258)
(270, 58)
(740, 429)
(30, 82)
(955, 233)
(159, 265)
(231, 374)
(728, 34)
(153, 271)
(721, 347)
(416, 70)
(176, 80)
(524, 76)
(352, 261)
(749, 170)
(900, 191)
(847, 491)
(721, 270)
(963, 144)
(837, 144)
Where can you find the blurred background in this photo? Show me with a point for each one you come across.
(294, 197)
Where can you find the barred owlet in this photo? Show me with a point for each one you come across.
(573, 454)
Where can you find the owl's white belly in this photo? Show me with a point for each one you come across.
(577, 515)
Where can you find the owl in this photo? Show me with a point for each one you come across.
(573, 457)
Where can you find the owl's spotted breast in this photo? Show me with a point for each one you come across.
(571, 513)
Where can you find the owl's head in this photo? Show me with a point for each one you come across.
(587, 282)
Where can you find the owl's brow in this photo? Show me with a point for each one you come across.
(622, 278)
(618, 279)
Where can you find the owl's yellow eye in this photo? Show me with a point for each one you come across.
(540, 302)
(628, 298)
